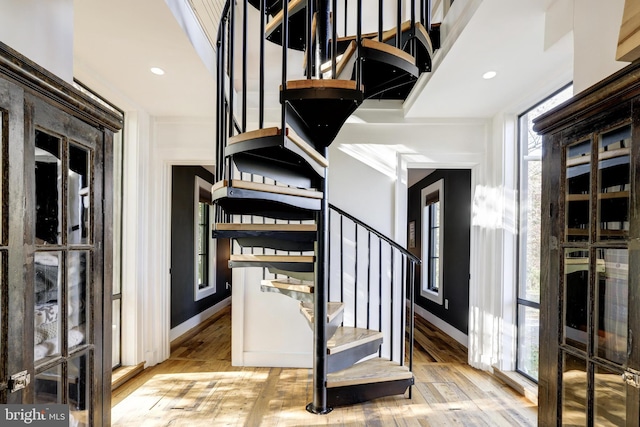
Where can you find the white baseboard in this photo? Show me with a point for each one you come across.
(277, 360)
(454, 333)
(184, 327)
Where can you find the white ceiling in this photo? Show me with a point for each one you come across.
(117, 41)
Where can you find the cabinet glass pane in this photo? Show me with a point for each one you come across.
(48, 386)
(612, 267)
(47, 313)
(78, 297)
(578, 191)
(48, 181)
(574, 391)
(79, 194)
(79, 388)
(614, 184)
(4, 125)
(576, 293)
(610, 398)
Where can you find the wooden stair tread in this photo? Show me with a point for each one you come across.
(348, 337)
(276, 131)
(342, 62)
(265, 227)
(389, 34)
(290, 284)
(423, 35)
(294, 7)
(370, 371)
(321, 84)
(271, 258)
(306, 147)
(383, 47)
(267, 188)
(334, 309)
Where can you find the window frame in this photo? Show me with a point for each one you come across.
(426, 285)
(203, 187)
(525, 158)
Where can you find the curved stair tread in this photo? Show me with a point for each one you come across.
(297, 26)
(242, 226)
(347, 337)
(388, 49)
(334, 309)
(389, 34)
(290, 284)
(272, 258)
(267, 188)
(370, 371)
(423, 35)
(344, 64)
(295, 6)
(271, 6)
(276, 131)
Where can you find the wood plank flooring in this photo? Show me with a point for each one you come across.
(198, 386)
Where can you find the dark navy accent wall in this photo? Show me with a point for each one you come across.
(183, 306)
(457, 245)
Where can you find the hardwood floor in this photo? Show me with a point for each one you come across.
(197, 386)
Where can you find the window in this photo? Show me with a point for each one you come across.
(528, 302)
(432, 238)
(204, 244)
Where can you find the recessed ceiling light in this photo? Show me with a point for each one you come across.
(157, 71)
(489, 75)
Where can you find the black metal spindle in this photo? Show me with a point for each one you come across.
(403, 307)
(244, 65)
(285, 48)
(368, 278)
(380, 289)
(412, 314)
(231, 62)
(309, 40)
(263, 17)
(428, 16)
(380, 19)
(334, 39)
(355, 278)
(341, 258)
(391, 302)
(359, 45)
(399, 25)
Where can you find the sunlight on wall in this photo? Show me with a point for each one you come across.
(382, 158)
(494, 208)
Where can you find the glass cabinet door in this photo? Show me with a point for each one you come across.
(595, 283)
(67, 281)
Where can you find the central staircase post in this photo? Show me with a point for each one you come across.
(319, 404)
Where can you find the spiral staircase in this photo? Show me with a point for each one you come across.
(271, 187)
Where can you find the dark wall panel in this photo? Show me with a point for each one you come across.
(183, 306)
(457, 228)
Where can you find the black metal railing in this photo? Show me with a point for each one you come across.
(374, 285)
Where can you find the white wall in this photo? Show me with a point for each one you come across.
(42, 31)
(596, 26)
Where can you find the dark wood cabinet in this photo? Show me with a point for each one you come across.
(590, 269)
(55, 242)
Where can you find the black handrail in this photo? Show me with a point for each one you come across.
(382, 237)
